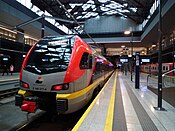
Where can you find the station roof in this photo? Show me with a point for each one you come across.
(82, 10)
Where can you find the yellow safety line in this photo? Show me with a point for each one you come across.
(110, 115)
(81, 92)
(89, 108)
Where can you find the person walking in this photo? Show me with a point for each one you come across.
(5, 70)
(11, 69)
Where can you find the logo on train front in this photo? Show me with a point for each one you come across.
(39, 80)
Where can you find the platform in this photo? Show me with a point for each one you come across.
(119, 106)
(9, 77)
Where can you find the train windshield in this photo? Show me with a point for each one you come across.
(50, 55)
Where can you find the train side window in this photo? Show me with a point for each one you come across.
(163, 67)
(86, 61)
(167, 68)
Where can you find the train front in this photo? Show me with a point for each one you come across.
(42, 75)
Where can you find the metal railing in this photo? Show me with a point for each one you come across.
(168, 80)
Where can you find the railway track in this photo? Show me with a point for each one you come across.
(25, 124)
(9, 92)
(44, 121)
(49, 121)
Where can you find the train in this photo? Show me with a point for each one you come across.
(61, 74)
(153, 68)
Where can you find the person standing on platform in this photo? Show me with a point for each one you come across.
(5, 70)
(125, 68)
(11, 69)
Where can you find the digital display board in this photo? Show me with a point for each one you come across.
(146, 60)
(5, 59)
(123, 60)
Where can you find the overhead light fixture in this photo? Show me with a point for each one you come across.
(127, 32)
(153, 45)
(102, 1)
(143, 52)
(123, 46)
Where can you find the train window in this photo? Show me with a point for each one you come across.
(50, 55)
(86, 61)
(163, 67)
(167, 68)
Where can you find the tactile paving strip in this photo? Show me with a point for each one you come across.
(145, 121)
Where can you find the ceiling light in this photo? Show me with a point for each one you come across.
(134, 9)
(127, 32)
(124, 11)
(153, 45)
(104, 8)
(69, 10)
(90, 2)
(79, 17)
(123, 46)
(102, 1)
(111, 12)
(126, 4)
(73, 5)
(86, 6)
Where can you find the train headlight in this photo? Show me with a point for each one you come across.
(24, 85)
(60, 87)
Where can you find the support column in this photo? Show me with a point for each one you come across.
(137, 71)
(160, 60)
(42, 26)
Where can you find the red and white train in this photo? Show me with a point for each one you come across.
(153, 68)
(61, 74)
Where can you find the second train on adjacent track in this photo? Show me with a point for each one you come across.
(153, 68)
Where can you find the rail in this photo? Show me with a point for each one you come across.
(168, 80)
(9, 92)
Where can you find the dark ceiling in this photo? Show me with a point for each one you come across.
(82, 10)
